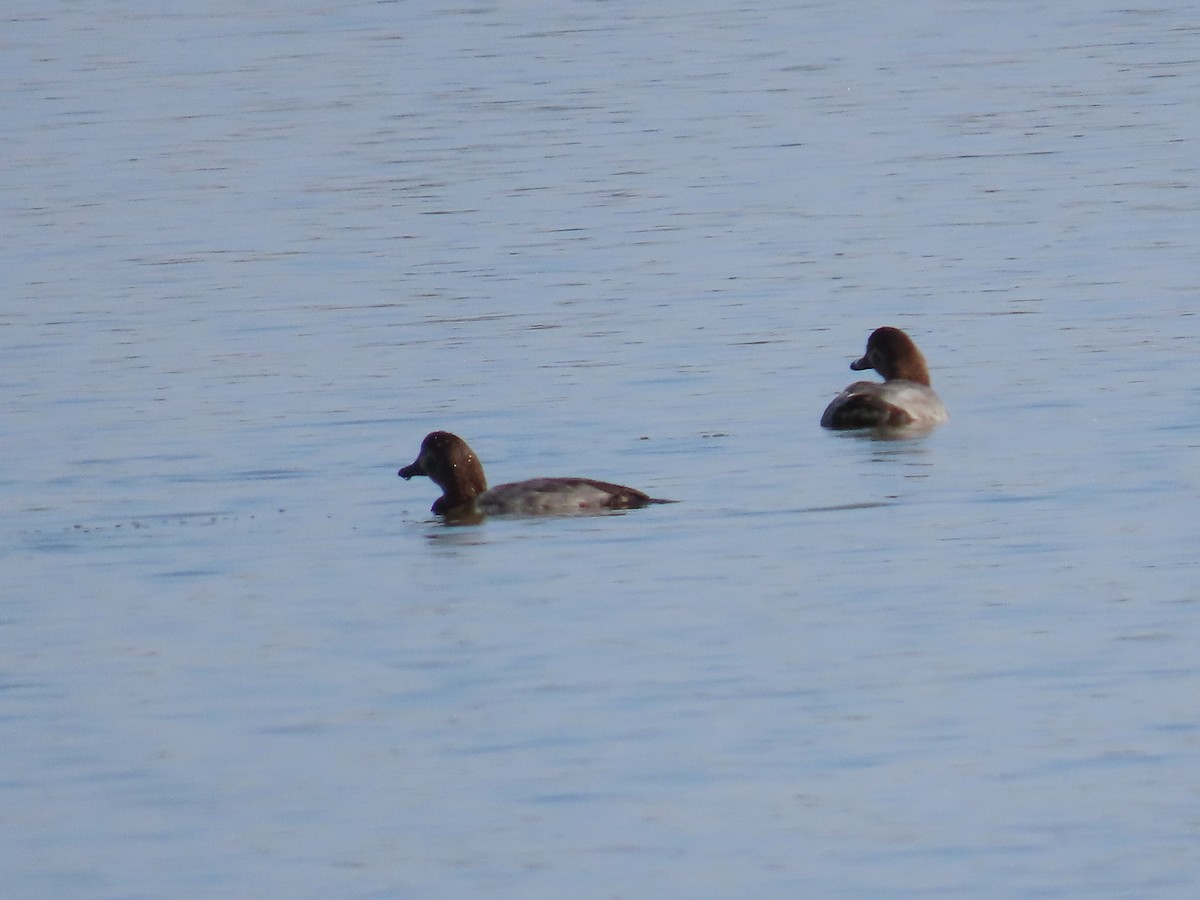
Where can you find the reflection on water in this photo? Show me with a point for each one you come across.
(248, 256)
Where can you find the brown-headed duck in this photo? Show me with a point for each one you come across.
(903, 400)
(453, 466)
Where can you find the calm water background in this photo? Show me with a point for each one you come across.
(251, 255)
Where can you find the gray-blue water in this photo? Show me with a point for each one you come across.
(251, 254)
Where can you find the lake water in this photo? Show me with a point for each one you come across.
(250, 255)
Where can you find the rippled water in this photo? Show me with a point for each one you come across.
(250, 256)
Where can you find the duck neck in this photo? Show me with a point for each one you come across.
(460, 490)
(913, 369)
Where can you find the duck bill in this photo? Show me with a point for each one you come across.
(859, 364)
(410, 470)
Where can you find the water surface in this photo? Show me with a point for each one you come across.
(251, 257)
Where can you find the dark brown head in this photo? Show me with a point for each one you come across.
(892, 354)
(450, 464)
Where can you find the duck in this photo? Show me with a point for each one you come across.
(904, 400)
(449, 462)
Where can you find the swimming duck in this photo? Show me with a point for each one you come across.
(903, 399)
(453, 466)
